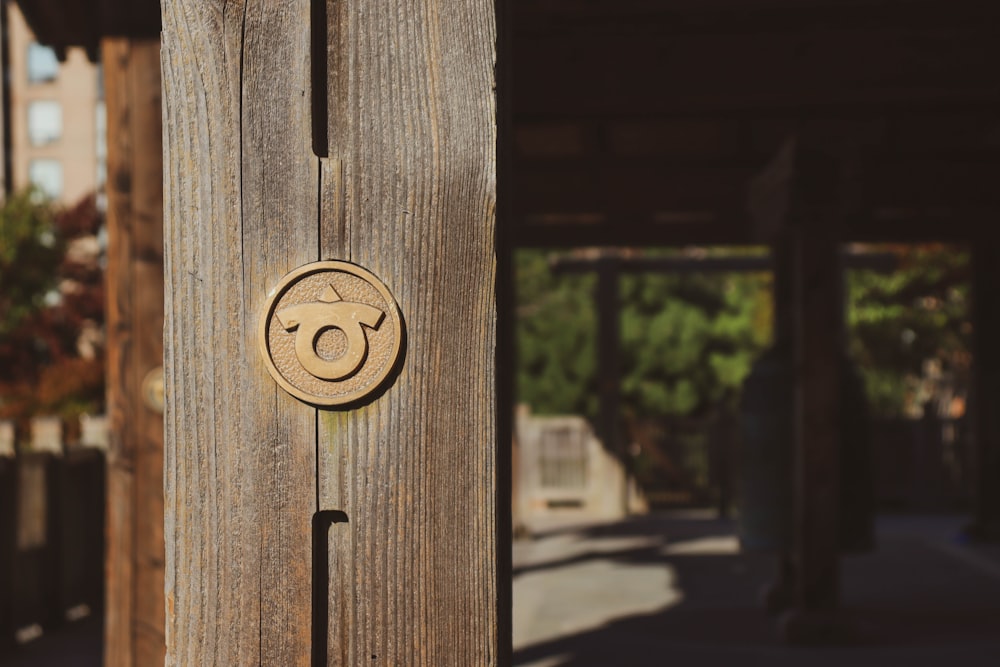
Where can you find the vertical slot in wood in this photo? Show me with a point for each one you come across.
(321, 523)
(320, 69)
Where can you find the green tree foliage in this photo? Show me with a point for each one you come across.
(51, 310)
(556, 338)
(909, 321)
(687, 340)
(30, 252)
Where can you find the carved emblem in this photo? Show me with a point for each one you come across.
(152, 390)
(331, 334)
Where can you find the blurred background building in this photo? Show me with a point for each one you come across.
(55, 133)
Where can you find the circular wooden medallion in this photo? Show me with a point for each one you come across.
(331, 333)
(152, 390)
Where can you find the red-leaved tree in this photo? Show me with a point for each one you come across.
(51, 310)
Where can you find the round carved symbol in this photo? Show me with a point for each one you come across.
(152, 390)
(331, 333)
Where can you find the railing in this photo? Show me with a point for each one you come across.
(52, 497)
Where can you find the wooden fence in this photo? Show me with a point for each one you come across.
(52, 496)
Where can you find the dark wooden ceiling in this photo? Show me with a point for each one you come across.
(65, 23)
(640, 122)
(643, 121)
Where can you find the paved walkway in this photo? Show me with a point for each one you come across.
(76, 644)
(675, 590)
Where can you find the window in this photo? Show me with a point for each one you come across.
(43, 66)
(44, 122)
(47, 176)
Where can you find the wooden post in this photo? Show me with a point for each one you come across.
(986, 370)
(817, 204)
(607, 302)
(609, 368)
(349, 131)
(797, 202)
(134, 604)
(818, 350)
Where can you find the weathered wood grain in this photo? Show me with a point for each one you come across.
(408, 191)
(241, 211)
(134, 626)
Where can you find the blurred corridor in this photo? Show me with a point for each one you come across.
(674, 589)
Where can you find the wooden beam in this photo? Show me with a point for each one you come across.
(134, 606)
(700, 16)
(624, 231)
(730, 264)
(642, 189)
(623, 188)
(397, 496)
(958, 224)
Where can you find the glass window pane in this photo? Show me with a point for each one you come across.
(47, 176)
(44, 122)
(42, 63)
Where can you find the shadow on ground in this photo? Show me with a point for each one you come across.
(915, 601)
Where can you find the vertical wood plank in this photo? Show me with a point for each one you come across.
(241, 211)
(122, 385)
(135, 618)
(409, 192)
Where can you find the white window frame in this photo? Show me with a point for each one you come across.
(45, 122)
(42, 65)
(46, 175)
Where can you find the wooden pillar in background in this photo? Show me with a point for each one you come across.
(986, 374)
(817, 350)
(607, 302)
(818, 203)
(609, 373)
(134, 604)
(797, 203)
(362, 132)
